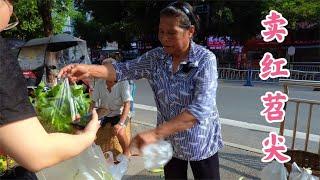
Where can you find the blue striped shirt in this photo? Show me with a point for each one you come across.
(194, 91)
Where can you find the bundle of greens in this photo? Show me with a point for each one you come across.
(59, 106)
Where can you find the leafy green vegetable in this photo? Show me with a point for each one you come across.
(58, 106)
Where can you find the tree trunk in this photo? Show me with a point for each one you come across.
(45, 10)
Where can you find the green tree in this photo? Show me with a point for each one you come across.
(247, 17)
(90, 30)
(40, 18)
(118, 20)
(122, 20)
(296, 11)
(30, 21)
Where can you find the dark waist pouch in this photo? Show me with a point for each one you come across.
(112, 120)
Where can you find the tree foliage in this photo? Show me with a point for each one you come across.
(122, 20)
(296, 11)
(117, 20)
(31, 22)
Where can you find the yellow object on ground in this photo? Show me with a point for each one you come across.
(157, 170)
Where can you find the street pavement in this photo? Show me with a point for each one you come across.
(242, 103)
(235, 163)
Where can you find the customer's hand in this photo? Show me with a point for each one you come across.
(75, 72)
(94, 124)
(144, 138)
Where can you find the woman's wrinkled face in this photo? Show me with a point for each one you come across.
(6, 10)
(173, 38)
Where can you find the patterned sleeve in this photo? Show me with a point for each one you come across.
(204, 102)
(137, 68)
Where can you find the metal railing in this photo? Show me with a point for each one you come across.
(304, 66)
(241, 75)
(290, 82)
(237, 74)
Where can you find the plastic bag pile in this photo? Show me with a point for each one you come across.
(277, 171)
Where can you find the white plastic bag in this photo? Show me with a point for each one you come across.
(274, 170)
(117, 170)
(156, 155)
(89, 165)
(301, 174)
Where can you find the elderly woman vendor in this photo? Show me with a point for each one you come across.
(183, 77)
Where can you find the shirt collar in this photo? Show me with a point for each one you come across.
(191, 59)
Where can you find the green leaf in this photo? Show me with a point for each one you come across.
(77, 90)
(54, 109)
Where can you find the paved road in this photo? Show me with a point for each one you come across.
(234, 163)
(241, 103)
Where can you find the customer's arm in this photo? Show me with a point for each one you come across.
(33, 148)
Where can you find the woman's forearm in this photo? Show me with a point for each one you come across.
(57, 148)
(106, 72)
(65, 146)
(28, 143)
(179, 123)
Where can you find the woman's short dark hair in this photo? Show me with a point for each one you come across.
(184, 12)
